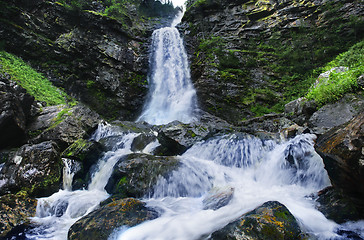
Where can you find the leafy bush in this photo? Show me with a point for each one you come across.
(35, 83)
(343, 82)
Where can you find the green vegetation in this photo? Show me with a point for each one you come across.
(339, 83)
(35, 83)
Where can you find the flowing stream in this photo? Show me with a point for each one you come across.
(246, 170)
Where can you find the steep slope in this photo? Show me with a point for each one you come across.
(249, 58)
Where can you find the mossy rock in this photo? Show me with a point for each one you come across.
(270, 221)
(135, 173)
(101, 223)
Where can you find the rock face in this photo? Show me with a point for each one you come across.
(15, 112)
(99, 60)
(101, 223)
(342, 151)
(272, 221)
(248, 58)
(35, 169)
(136, 174)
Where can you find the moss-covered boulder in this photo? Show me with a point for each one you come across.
(85, 153)
(270, 221)
(135, 174)
(36, 169)
(100, 223)
(15, 210)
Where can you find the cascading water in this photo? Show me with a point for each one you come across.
(56, 214)
(256, 170)
(172, 96)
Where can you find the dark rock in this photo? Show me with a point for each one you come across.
(335, 205)
(361, 81)
(15, 113)
(86, 153)
(63, 125)
(135, 174)
(271, 220)
(100, 223)
(342, 151)
(36, 169)
(15, 210)
(333, 115)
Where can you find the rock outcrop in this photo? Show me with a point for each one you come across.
(342, 151)
(249, 58)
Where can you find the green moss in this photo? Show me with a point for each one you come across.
(35, 83)
(76, 149)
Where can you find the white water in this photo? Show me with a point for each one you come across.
(256, 170)
(56, 214)
(172, 96)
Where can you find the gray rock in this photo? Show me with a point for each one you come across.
(333, 115)
(218, 197)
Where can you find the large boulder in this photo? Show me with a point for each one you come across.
(342, 151)
(15, 112)
(64, 125)
(36, 169)
(15, 210)
(335, 114)
(135, 174)
(100, 223)
(272, 220)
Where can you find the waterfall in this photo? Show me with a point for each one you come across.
(172, 96)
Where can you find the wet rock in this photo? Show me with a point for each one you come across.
(333, 115)
(63, 125)
(135, 174)
(86, 153)
(335, 205)
(15, 210)
(100, 223)
(217, 198)
(36, 169)
(15, 113)
(342, 151)
(271, 220)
